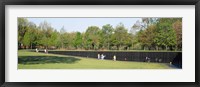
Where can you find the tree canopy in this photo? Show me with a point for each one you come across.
(149, 34)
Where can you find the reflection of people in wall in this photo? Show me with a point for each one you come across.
(114, 57)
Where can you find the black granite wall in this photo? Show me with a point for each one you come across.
(162, 57)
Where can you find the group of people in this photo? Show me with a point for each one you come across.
(158, 60)
(102, 56)
(147, 59)
(45, 50)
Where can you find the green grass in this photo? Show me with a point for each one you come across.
(121, 50)
(33, 60)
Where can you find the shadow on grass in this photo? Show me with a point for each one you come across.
(45, 59)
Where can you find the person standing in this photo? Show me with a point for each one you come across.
(45, 50)
(36, 50)
(102, 57)
(114, 57)
(98, 56)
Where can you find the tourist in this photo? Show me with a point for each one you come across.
(148, 59)
(98, 56)
(36, 50)
(102, 56)
(114, 57)
(45, 50)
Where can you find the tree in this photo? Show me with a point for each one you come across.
(70, 38)
(119, 36)
(26, 33)
(136, 27)
(46, 32)
(177, 26)
(150, 33)
(78, 40)
(26, 40)
(146, 37)
(22, 28)
(165, 36)
(149, 21)
(62, 39)
(53, 39)
(92, 36)
(106, 33)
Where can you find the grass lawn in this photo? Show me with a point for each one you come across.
(120, 50)
(33, 60)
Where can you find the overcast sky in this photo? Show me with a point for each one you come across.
(81, 24)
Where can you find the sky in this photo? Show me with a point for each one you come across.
(81, 24)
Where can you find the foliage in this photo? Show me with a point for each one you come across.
(148, 34)
(92, 36)
(178, 29)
